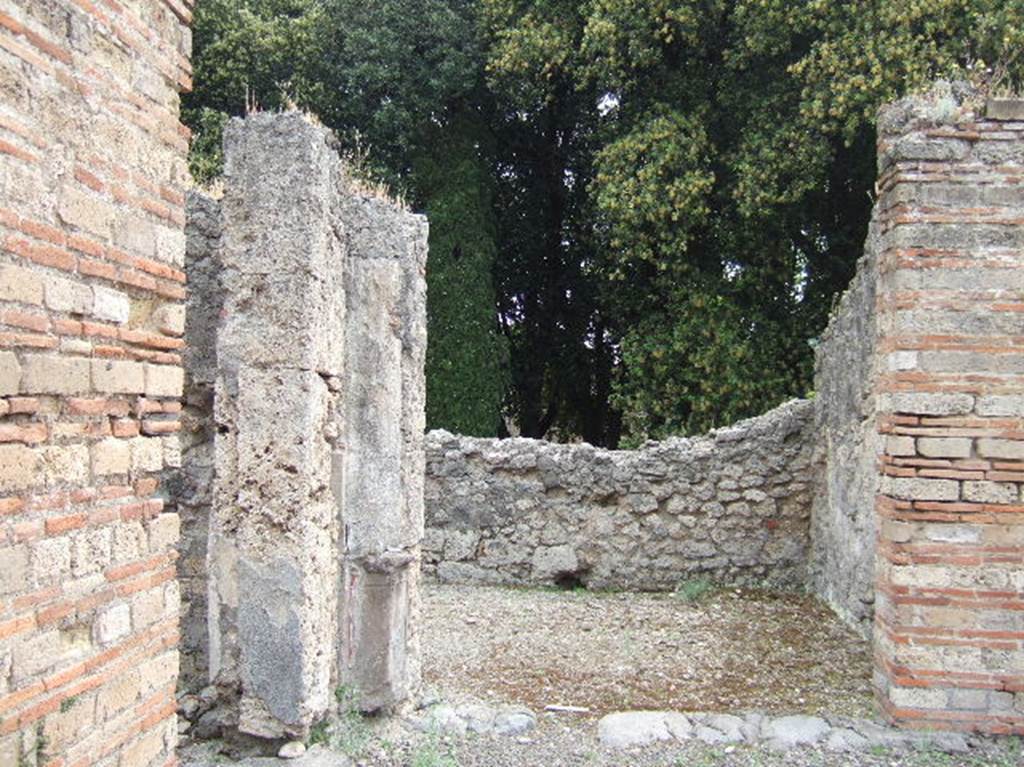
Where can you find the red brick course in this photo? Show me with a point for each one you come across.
(91, 313)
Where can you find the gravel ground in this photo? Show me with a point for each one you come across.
(732, 650)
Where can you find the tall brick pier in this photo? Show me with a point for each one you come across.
(949, 618)
(92, 165)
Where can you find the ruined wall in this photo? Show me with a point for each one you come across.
(847, 446)
(301, 488)
(733, 505)
(949, 622)
(190, 487)
(91, 316)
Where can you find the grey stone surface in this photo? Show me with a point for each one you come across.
(733, 505)
(797, 730)
(190, 487)
(628, 729)
(843, 527)
(474, 718)
(306, 396)
(293, 749)
(378, 476)
(1005, 109)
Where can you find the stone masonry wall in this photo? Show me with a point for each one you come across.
(93, 176)
(733, 505)
(949, 621)
(191, 487)
(301, 487)
(847, 446)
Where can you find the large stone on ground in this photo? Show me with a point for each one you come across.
(626, 729)
(789, 731)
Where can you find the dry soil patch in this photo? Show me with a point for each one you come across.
(734, 650)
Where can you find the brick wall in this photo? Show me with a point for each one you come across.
(91, 317)
(949, 618)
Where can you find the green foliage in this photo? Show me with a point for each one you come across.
(429, 754)
(347, 731)
(641, 210)
(466, 355)
(396, 76)
(652, 186)
(206, 159)
(694, 590)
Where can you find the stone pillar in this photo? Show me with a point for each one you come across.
(381, 461)
(273, 536)
(949, 621)
(313, 548)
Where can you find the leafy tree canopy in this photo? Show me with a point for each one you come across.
(641, 209)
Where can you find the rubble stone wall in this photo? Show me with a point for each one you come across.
(93, 177)
(733, 505)
(847, 446)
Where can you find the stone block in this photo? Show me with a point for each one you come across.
(1004, 449)
(111, 305)
(118, 376)
(374, 657)
(20, 285)
(147, 608)
(50, 374)
(147, 454)
(917, 489)
(91, 551)
(164, 380)
(86, 211)
(119, 694)
(1001, 405)
(14, 573)
(51, 559)
(10, 374)
(65, 464)
(170, 319)
(991, 492)
(1005, 109)
(915, 403)
(110, 456)
(112, 624)
(19, 467)
(136, 235)
(129, 542)
(164, 532)
(918, 697)
(63, 295)
(944, 447)
(901, 446)
(552, 561)
(143, 751)
(170, 246)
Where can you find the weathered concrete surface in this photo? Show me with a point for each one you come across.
(316, 520)
(273, 530)
(733, 505)
(380, 487)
